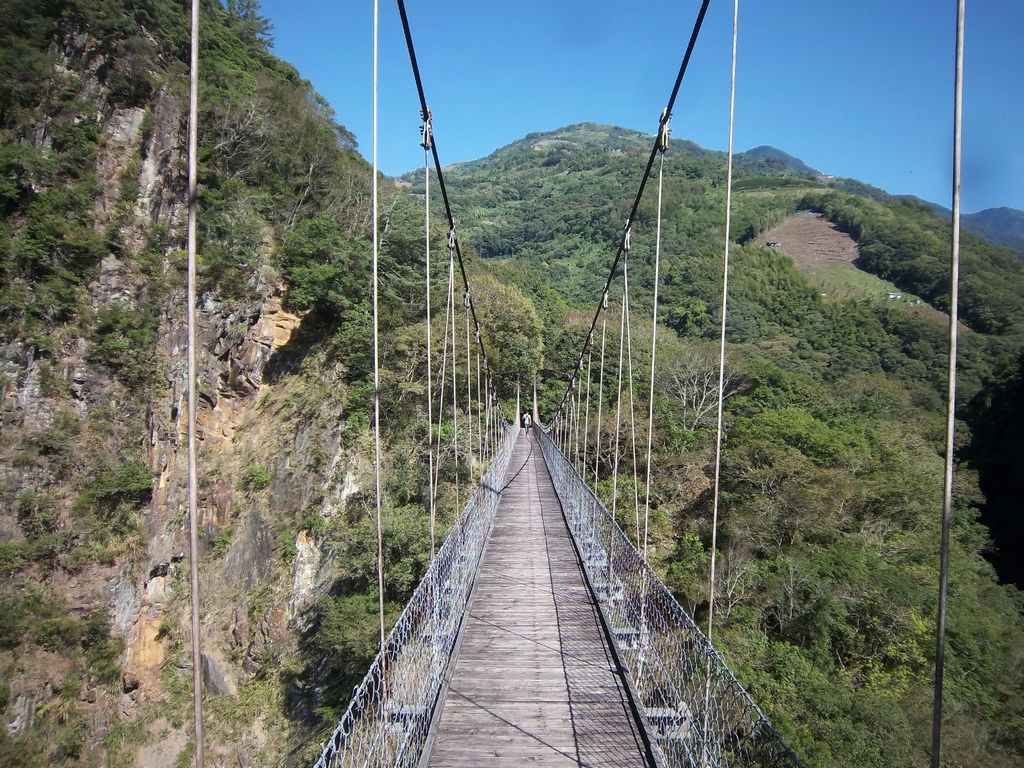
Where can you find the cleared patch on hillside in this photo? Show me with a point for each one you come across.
(827, 255)
(812, 242)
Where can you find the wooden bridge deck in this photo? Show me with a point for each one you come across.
(534, 682)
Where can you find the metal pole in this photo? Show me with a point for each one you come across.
(376, 353)
(947, 491)
(193, 485)
(536, 412)
(722, 334)
(519, 415)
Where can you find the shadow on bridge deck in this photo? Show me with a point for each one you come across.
(534, 681)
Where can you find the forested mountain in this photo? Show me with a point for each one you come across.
(832, 470)
(833, 445)
(771, 156)
(1002, 226)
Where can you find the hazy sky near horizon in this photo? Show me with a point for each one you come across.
(858, 89)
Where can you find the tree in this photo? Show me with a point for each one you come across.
(511, 328)
(693, 383)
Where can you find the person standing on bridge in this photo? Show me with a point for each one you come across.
(526, 423)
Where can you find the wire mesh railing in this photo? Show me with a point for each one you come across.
(696, 710)
(388, 719)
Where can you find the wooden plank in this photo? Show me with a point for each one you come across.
(534, 682)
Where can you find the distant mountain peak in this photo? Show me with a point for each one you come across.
(1002, 226)
(774, 155)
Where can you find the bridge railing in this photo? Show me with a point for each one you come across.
(696, 710)
(388, 719)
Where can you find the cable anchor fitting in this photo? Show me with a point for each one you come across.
(427, 130)
(664, 131)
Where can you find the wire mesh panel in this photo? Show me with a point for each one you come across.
(388, 718)
(698, 712)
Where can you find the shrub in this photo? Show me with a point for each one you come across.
(101, 649)
(37, 514)
(124, 342)
(13, 557)
(113, 497)
(58, 633)
(256, 479)
(221, 541)
(55, 443)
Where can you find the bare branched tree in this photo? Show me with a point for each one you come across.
(692, 379)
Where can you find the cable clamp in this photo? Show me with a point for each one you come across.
(451, 236)
(626, 237)
(465, 298)
(478, 334)
(664, 131)
(604, 300)
(427, 130)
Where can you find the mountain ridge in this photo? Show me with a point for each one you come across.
(1002, 226)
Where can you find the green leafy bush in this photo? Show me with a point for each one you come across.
(37, 514)
(256, 479)
(113, 497)
(124, 341)
(221, 541)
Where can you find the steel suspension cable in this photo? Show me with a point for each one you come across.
(954, 298)
(632, 400)
(487, 417)
(725, 307)
(666, 115)
(442, 374)
(580, 421)
(425, 143)
(430, 363)
(618, 405)
(479, 406)
(654, 343)
(566, 424)
(469, 390)
(576, 425)
(193, 474)
(600, 387)
(456, 252)
(586, 417)
(437, 164)
(455, 365)
(376, 346)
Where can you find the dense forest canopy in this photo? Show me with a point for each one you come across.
(832, 458)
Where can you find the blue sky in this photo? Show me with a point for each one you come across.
(860, 89)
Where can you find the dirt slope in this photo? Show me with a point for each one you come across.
(812, 242)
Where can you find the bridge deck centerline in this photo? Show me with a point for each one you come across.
(534, 681)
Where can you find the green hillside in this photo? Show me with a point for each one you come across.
(832, 458)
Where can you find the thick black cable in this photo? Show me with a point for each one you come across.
(666, 115)
(437, 165)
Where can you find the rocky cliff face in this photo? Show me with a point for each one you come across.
(265, 467)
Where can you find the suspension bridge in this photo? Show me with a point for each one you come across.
(540, 634)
